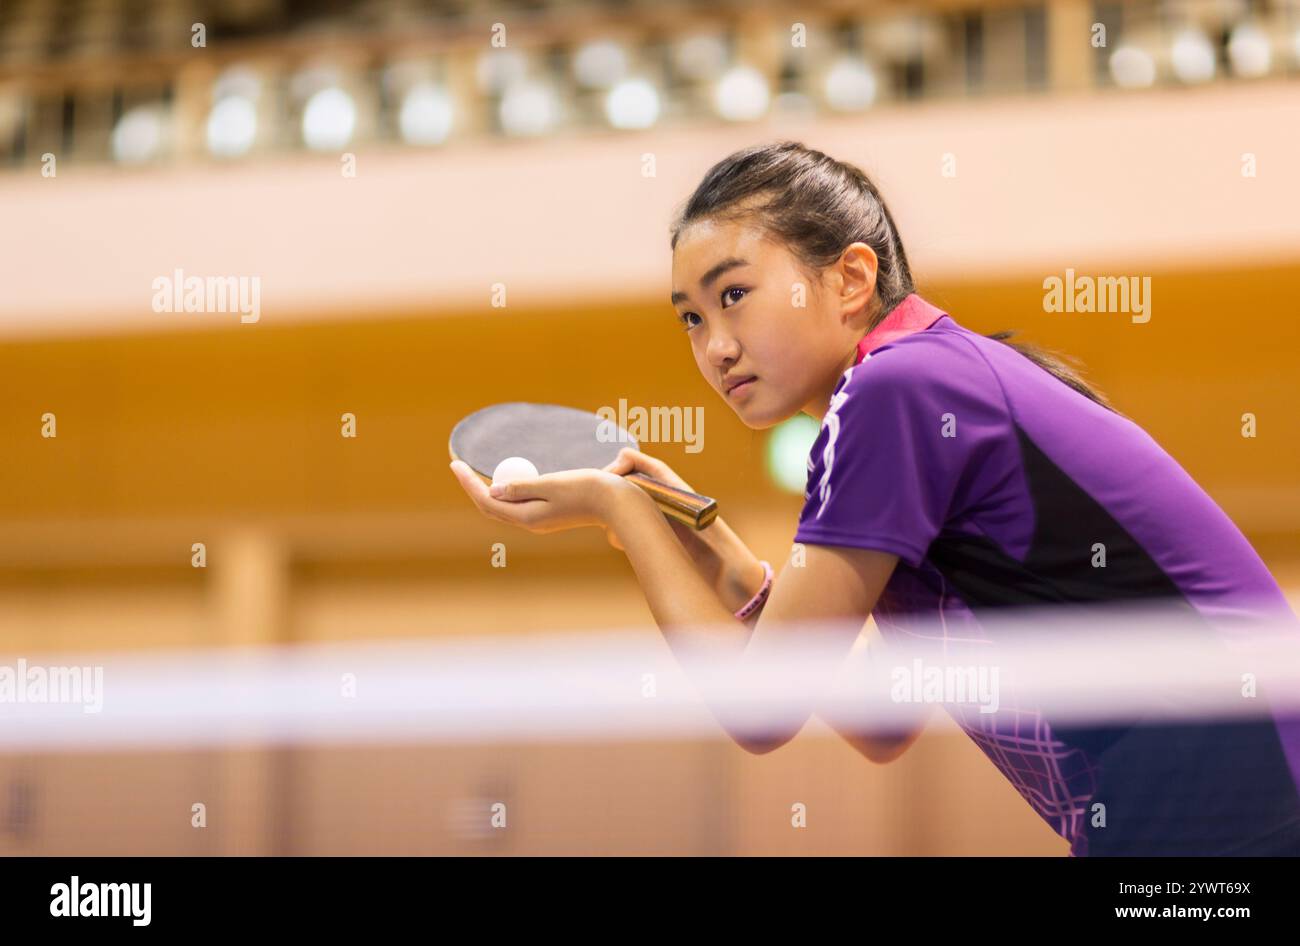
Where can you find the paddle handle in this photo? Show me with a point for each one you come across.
(686, 507)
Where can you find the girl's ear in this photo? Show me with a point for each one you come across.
(858, 266)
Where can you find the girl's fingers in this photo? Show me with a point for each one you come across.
(630, 461)
(517, 490)
(469, 482)
(488, 505)
(540, 504)
(623, 464)
(474, 488)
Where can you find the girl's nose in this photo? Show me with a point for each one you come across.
(721, 350)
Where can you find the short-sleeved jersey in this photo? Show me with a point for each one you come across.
(996, 484)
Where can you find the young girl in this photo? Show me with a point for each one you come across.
(953, 474)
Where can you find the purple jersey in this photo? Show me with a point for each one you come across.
(995, 484)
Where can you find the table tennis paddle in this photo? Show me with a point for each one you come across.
(557, 438)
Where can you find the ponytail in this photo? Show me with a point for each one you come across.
(1056, 365)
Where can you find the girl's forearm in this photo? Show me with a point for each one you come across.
(690, 612)
(727, 564)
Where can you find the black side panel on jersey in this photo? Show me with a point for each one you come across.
(1167, 788)
(1058, 568)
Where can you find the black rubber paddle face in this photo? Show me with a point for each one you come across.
(554, 438)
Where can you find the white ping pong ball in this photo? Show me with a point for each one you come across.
(513, 468)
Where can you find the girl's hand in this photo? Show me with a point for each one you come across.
(720, 558)
(634, 461)
(547, 503)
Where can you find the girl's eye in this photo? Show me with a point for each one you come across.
(727, 294)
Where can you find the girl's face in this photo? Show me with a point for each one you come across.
(751, 312)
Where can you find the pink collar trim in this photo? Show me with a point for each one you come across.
(913, 314)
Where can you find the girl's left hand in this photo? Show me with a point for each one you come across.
(547, 503)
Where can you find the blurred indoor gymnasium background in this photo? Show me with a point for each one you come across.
(413, 208)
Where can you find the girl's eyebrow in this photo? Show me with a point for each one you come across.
(731, 262)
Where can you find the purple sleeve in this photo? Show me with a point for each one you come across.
(915, 433)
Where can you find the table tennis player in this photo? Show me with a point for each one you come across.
(954, 474)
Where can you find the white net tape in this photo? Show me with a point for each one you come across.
(1089, 668)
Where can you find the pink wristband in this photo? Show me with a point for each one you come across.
(760, 596)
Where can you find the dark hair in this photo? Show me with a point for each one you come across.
(817, 206)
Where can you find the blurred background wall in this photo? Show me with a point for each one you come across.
(391, 172)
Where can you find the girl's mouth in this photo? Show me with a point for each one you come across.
(742, 386)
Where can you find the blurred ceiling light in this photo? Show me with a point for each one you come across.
(850, 85)
(498, 69)
(1250, 51)
(1132, 67)
(1295, 46)
(329, 120)
(633, 103)
(529, 107)
(426, 114)
(1192, 56)
(232, 127)
(701, 57)
(741, 95)
(600, 64)
(139, 134)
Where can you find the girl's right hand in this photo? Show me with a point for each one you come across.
(634, 461)
(720, 557)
